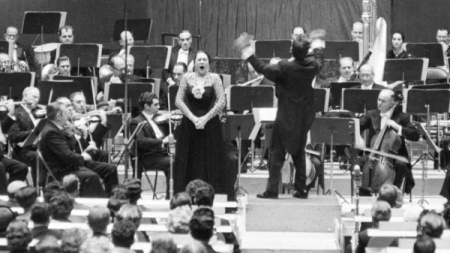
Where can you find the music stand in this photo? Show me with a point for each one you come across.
(240, 129)
(338, 49)
(33, 137)
(243, 98)
(114, 125)
(151, 57)
(87, 84)
(81, 55)
(52, 90)
(273, 48)
(433, 51)
(6, 47)
(13, 84)
(140, 28)
(117, 91)
(321, 99)
(443, 86)
(359, 101)
(405, 70)
(43, 22)
(336, 92)
(173, 90)
(334, 131)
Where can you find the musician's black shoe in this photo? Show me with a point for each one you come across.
(301, 194)
(266, 195)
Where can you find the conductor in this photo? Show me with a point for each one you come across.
(295, 115)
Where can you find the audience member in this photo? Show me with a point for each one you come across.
(48, 244)
(40, 215)
(133, 186)
(51, 189)
(18, 236)
(192, 186)
(71, 184)
(6, 216)
(204, 195)
(132, 213)
(114, 205)
(122, 236)
(180, 199)
(431, 224)
(381, 211)
(202, 226)
(389, 194)
(72, 239)
(163, 243)
(120, 192)
(446, 214)
(194, 247)
(98, 220)
(26, 197)
(12, 188)
(178, 219)
(97, 244)
(424, 244)
(60, 207)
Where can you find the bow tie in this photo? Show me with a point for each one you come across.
(385, 114)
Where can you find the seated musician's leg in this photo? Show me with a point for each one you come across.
(29, 158)
(16, 170)
(158, 163)
(403, 175)
(107, 172)
(90, 184)
(100, 155)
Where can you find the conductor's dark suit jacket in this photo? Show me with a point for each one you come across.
(173, 60)
(293, 84)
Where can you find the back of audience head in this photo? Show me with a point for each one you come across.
(40, 213)
(381, 211)
(389, 194)
(72, 239)
(26, 197)
(122, 233)
(446, 214)
(96, 244)
(424, 244)
(163, 243)
(133, 186)
(204, 195)
(193, 247)
(98, 219)
(48, 244)
(131, 213)
(192, 186)
(13, 187)
(180, 199)
(71, 185)
(431, 224)
(120, 192)
(178, 220)
(61, 206)
(6, 216)
(51, 189)
(18, 235)
(114, 205)
(201, 224)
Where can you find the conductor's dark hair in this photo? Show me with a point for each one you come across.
(182, 64)
(61, 59)
(300, 48)
(40, 213)
(199, 52)
(53, 110)
(201, 224)
(66, 27)
(424, 244)
(185, 31)
(146, 98)
(123, 233)
(401, 35)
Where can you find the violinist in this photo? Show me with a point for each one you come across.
(25, 122)
(400, 123)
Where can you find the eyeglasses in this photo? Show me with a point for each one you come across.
(12, 36)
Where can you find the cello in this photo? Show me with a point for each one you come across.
(379, 169)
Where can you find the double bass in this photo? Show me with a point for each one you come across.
(379, 169)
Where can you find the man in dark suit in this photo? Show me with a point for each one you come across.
(181, 53)
(150, 140)
(399, 122)
(60, 156)
(24, 124)
(20, 53)
(295, 113)
(366, 75)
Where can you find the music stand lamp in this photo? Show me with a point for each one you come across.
(151, 57)
(273, 48)
(84, 55)
(422, 102)
(334, 131)
(335, 50)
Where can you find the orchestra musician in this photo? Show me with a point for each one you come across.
(357, 31)
(180, 53)
(20, 55)
(297, 32)
(151, 139)
(442, 37)
(58, 151)
(65, 36)
(295, 113)
(366, 75)
(126, 39)
(25, 122)
(375, 120)
(178, 72)
(64, 66)
(397, 51)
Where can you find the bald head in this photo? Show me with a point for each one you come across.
(385, 100)
(346, 67)
(126, 36)
(11, 34)
(366, 75)
(118, 63)
(130, 63)
(30, 97)
(357, 31)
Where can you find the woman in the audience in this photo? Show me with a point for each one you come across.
(72, 240)
(194, 247)
(61, 206)
(163, 243)
(132, 213)
(18, 236)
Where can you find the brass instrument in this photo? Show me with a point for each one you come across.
(369, 18)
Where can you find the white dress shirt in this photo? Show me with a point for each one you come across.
(183, 56)
(158, 133)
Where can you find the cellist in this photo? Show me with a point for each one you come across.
(400, 123)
